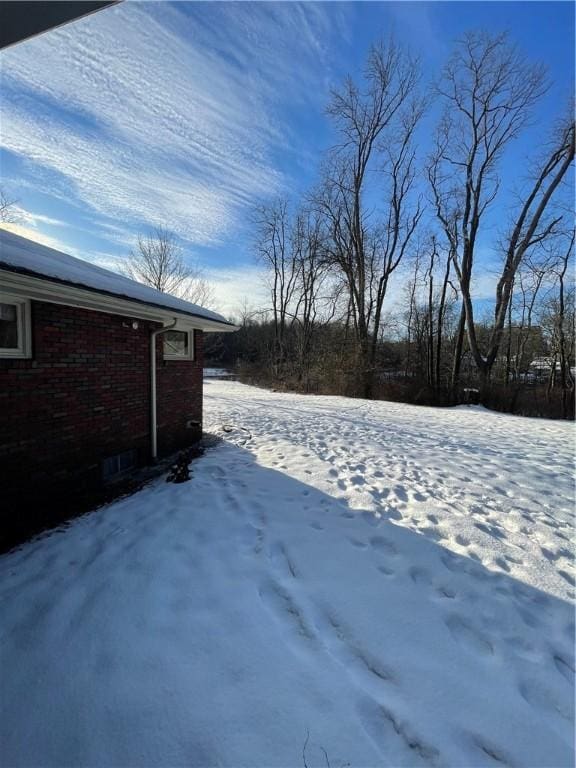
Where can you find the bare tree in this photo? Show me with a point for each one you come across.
(438, 299)
(559, 316)
(417, 328)
(316, 296)
(330, 263)
(8, 214)
(489, 90)
(273, 247)
(565, 325)
(523, 338)
(364, 246)
(411, 315)
(158, 260)
(430, 297)
(530, 229)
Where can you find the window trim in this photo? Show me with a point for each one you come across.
(189, 355)
(24, 329)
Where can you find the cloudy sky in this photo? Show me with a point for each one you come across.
(187, 114)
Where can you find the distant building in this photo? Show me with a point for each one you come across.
(542, 366)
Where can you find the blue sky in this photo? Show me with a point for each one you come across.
(187, 114)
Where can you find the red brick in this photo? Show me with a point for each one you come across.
(85, 395)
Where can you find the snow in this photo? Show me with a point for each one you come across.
(342, 582)
(218, 373)
(22, 254)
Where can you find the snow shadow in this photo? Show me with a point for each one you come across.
(220, 621)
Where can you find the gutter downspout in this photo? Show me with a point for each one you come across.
(153, 424)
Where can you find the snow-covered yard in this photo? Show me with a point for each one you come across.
(346, 583)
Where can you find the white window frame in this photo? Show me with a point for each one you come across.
(189, 355)
(24, 348)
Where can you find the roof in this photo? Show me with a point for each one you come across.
(23, 256)
(21, 20)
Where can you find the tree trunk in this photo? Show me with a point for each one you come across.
(457, 361)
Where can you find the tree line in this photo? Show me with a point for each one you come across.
(384, 212)
(382, 208)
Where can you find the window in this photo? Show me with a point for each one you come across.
(14, 327)
(178, 345)
(117, 466)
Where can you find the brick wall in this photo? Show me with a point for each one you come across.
(179, 398)
(84, 396)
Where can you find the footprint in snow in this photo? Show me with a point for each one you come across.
(282, 561)
(495, 754)
(446, 593)
(501, 563)
(467, 635)
(400, 493)
(419, 576)
(543, 696)
(381, 544)
(367, 671)
(394, 737)
(456, 564)
(567, 577)
(553, 556)
(490, 530)
(393, 514)
(564, 668)
(288, 614)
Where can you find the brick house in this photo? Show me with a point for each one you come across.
(98, 374)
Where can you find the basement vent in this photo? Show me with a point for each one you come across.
(115, 466)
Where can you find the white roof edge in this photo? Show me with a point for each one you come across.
(25, 286)
(71, 279)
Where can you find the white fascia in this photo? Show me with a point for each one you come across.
(41, 289)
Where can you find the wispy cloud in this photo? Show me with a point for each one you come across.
(237, 288)
(29, 231)
(155, 114)
(33, 219)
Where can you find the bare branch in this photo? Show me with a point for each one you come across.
(8, 213)
(158, 260)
